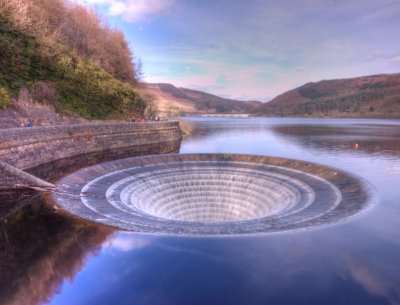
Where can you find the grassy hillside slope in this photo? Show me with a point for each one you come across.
(171, 100)
(368, 96)
(64, 55)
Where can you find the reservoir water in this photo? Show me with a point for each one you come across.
(47, 257)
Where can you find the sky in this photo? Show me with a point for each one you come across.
(257, 49)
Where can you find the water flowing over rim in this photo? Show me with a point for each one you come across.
(212, 194)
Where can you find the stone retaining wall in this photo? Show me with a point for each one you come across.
(29, 148)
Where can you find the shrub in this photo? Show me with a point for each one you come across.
(45, 92)
(68, 58)
(4, 98)
(14, 14)
(93, 93)
(310, 93)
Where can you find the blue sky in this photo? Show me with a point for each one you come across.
(257, 49)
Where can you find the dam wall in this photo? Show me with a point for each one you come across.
(39, 151)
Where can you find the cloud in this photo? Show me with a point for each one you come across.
(389, 57)
(127, 243)
(133, 10)
(223, 79)
(388, 10)
(373, 282)
(259, 49)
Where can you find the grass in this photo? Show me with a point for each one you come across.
(79, 84)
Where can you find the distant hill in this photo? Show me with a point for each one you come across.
(171, 100)
(367, 96)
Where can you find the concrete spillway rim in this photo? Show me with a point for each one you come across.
(370, 192)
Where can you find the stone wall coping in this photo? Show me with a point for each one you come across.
(11, 133)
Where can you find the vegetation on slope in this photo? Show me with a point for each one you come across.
(368, 96)
(171, 101)
(40, 249)
(65, 55)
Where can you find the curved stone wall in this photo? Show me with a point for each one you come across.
(29, 148)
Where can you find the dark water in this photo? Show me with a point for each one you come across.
(46, 257)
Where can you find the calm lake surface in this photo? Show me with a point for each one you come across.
(47, 258)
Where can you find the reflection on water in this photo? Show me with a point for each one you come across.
(39, 250)
(328, 135)
(47, 257)
(382, 140)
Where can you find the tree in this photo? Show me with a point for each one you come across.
(151, 108)
(171, 110)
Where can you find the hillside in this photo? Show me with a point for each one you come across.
(170, 100)
(62, 55)
(368, 96)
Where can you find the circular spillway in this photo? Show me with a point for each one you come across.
(212, 194)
